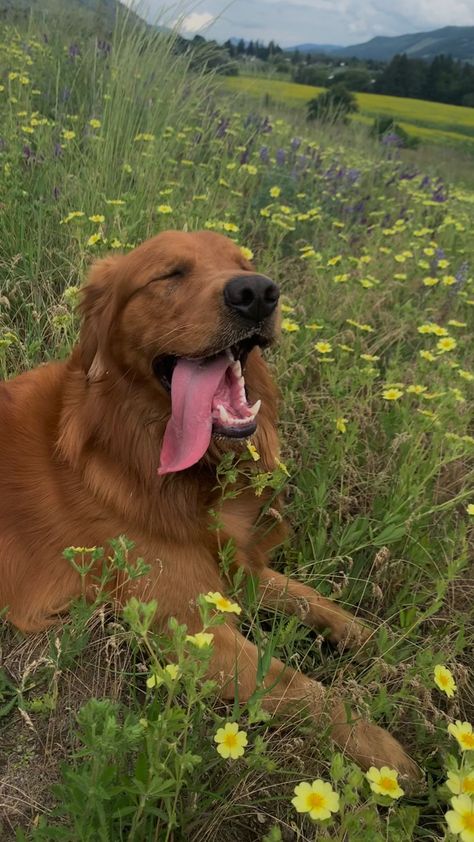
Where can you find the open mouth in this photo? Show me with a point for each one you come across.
(208, 397)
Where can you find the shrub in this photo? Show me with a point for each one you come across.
(333, 106)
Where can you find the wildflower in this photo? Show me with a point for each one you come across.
(341, 279)
(341, 424)
(115, 202)
(426, 328)
(230, 741)
(97, 217)
(461, 818)
(323, 347)
(318, 799)
(164, 209)
(253, 451)
(455, 323)
(155, 680)
(429, 281)
(289, 325)
(247, 253)
(94, 239)
(127, 168)
(427, 355)
(449, 280)
(444, 679)
(346, 348)
(443, 263)
(416, 389)
(466, 375)
(333, 261)
(446, 344)
(384, 781)
(230, 226)
(367, 328)
(144, 136)
(68, 134)
(287, 308)
(275, 192)
(470, 509)
(72, 215)
(370, 358)
(392, 394)
(222, 603)
(200, 639)
(115, 243)
(462, 732)
(461, 784)
(95, 124)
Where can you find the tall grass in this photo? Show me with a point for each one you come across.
(375, 264)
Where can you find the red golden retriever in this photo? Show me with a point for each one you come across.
(124, 438)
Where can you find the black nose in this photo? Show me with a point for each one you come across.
(252, 296)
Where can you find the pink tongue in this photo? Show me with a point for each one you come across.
(188, 432)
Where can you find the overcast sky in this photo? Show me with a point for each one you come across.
(302, 21)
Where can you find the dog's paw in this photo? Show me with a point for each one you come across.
(370, 745)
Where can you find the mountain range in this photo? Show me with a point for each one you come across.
(457, 41)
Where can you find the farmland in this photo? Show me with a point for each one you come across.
(431, 121)
(102, 145)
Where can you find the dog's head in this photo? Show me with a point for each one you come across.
(186, 314)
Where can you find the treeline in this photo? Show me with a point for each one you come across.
(252, 48)
(444, 79)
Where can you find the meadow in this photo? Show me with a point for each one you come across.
(430, 121)
(102, 145)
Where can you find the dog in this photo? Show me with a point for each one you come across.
(125, 436)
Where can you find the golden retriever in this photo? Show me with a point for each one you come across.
(124, 438)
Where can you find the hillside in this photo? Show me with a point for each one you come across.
(457, 41)
(100, 14)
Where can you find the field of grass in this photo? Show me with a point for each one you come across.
(102, 146)
(432, 121)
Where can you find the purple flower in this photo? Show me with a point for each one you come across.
(264, 155)
(74, 51)
(392, 139)
(280, 157)
(28, 154)
(58, 150)
(244, 158)
(295, 144)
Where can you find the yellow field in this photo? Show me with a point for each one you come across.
(432, 121)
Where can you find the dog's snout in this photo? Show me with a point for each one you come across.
(252, 296)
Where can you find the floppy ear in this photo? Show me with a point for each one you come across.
(97, 308)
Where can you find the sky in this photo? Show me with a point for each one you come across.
(293, 22)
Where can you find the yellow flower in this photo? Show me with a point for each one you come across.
(247, 253)
(115, 243)
(164, 209)
(365, 327)
(461, 818)
(345, 348)
(341, 424)
(318, 799)
(289, 325)
(370, 358)
(230, 741)
(461, 784)
(230, 226)
(287, 308)
(416, 389)
(145, 136)
(115, 202)
(275, 192)
(200, 639)
(70, 216)
(455, 323)
(392, 394)
(426, 328)
(222, 603)
(429, 252)
(253, 451)
(323, 347)
(470, 509)
(95, 124)
(462, 732)
(94, 239)
(68, 134)
(333, 261)
(97, 217)
(446, 344)
(444, 679)
(430, 281)
(155, 680)
(443, 264)
(384, 781)
(427, 355)
(449, 280)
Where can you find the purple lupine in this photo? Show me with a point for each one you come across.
(392, 139)
(295, 143)
(74, 51)
(264, 155)
(58, 150)
(280, 157)
(244, 158)
(266, 126)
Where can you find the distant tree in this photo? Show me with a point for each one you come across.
(241, 47)
(317, 76)
(333, 105)
(354, 78)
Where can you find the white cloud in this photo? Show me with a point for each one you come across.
(194, 22)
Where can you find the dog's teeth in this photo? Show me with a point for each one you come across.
(255, 408)
(237, 369)
(229, 354)
(223, 414)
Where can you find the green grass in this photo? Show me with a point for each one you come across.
(431, 121)
(378, 489)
